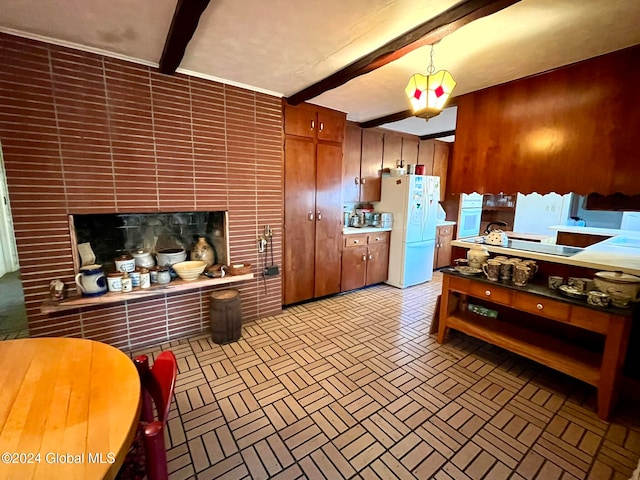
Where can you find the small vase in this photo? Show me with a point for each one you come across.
(203, 251)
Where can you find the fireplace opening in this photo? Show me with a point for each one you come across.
(108, 236)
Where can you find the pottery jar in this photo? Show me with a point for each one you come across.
(618, 282)
(127, 284)
(114, 281)
(125, 263)
(145, 278)
(203, 251)
(168, 256)
(477, 255)
(143, 258)
(163, 275)
(91, 281)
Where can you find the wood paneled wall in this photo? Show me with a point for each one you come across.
(574, 129)
(83, 133)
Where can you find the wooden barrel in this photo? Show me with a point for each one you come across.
(225, 316)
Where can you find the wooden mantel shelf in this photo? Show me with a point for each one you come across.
(174, 286)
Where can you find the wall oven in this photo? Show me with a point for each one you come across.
(469, 215)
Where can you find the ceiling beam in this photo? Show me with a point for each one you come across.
(427, 33)
(183, 26)
(431, 136)
(394, 117)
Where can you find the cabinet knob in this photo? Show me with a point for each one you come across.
(370, 257)
(377, 239)
(539, 306)
(310, 216)
(356, 241)
(321, 126)
(363, 181)
(319, 215)
(364, 258)
(487, 293)
(313, 124)
(357, 180)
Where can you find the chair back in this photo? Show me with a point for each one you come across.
(157, 383)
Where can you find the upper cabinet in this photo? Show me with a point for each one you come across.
(434, 155)
(306, 121)
(573, 129)
(371, 165)
(362, 167)
(392, 149)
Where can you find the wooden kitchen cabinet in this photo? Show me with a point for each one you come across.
(312, 208)
(314, 122)
(365, 260)
(362, 167)
(371, 165)
(434, 155)
(442, 251)
(392, 150)
(410, 147)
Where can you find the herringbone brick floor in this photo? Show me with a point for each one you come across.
(354, 387)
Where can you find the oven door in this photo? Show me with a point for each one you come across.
(469, 222)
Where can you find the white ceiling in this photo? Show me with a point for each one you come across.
(282, 46)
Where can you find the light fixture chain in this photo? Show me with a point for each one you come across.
(431, 69)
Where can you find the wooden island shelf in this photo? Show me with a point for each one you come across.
(598, 366)
(175, 286)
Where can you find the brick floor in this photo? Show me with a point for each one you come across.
(354, 386)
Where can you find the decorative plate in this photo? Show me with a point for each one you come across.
(463, 269)
(571, 291)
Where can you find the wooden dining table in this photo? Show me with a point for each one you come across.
(69, 408)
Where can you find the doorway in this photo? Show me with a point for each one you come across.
(13, 313)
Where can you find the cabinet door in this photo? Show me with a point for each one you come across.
(426, 151)
(351, 164)
(299, 219)
(410, 150)
(354, 267)
(300, 121)
(441, 165)
(328, 219)
(392, 151)
(443, 247)
(371, 165)
(330, 126)
(377, 263)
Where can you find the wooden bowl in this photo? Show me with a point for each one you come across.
(240, 268)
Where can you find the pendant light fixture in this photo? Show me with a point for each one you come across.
(429, 94)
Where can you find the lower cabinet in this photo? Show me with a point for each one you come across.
(442, 251)
(365, 260)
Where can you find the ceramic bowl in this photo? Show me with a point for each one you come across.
(190, 270)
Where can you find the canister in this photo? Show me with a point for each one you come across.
(114, 281)
(125, 263)
(127, 286)
(145, 278)
(135, 278)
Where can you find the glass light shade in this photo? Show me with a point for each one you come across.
(429, 94)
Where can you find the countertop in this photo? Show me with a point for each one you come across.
(445, 223)
(610, 254)
(352, 230)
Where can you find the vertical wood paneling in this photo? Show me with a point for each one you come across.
(82, 133)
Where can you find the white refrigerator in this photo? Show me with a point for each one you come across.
(413, 200)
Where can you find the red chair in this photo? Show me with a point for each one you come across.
(148, 453)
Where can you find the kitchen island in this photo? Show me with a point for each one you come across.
(588, 343)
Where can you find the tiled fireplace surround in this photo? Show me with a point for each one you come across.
(82, 133)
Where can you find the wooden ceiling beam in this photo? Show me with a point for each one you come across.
(432, 136)
(183, 26)
(427, 33)
(394, 117)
